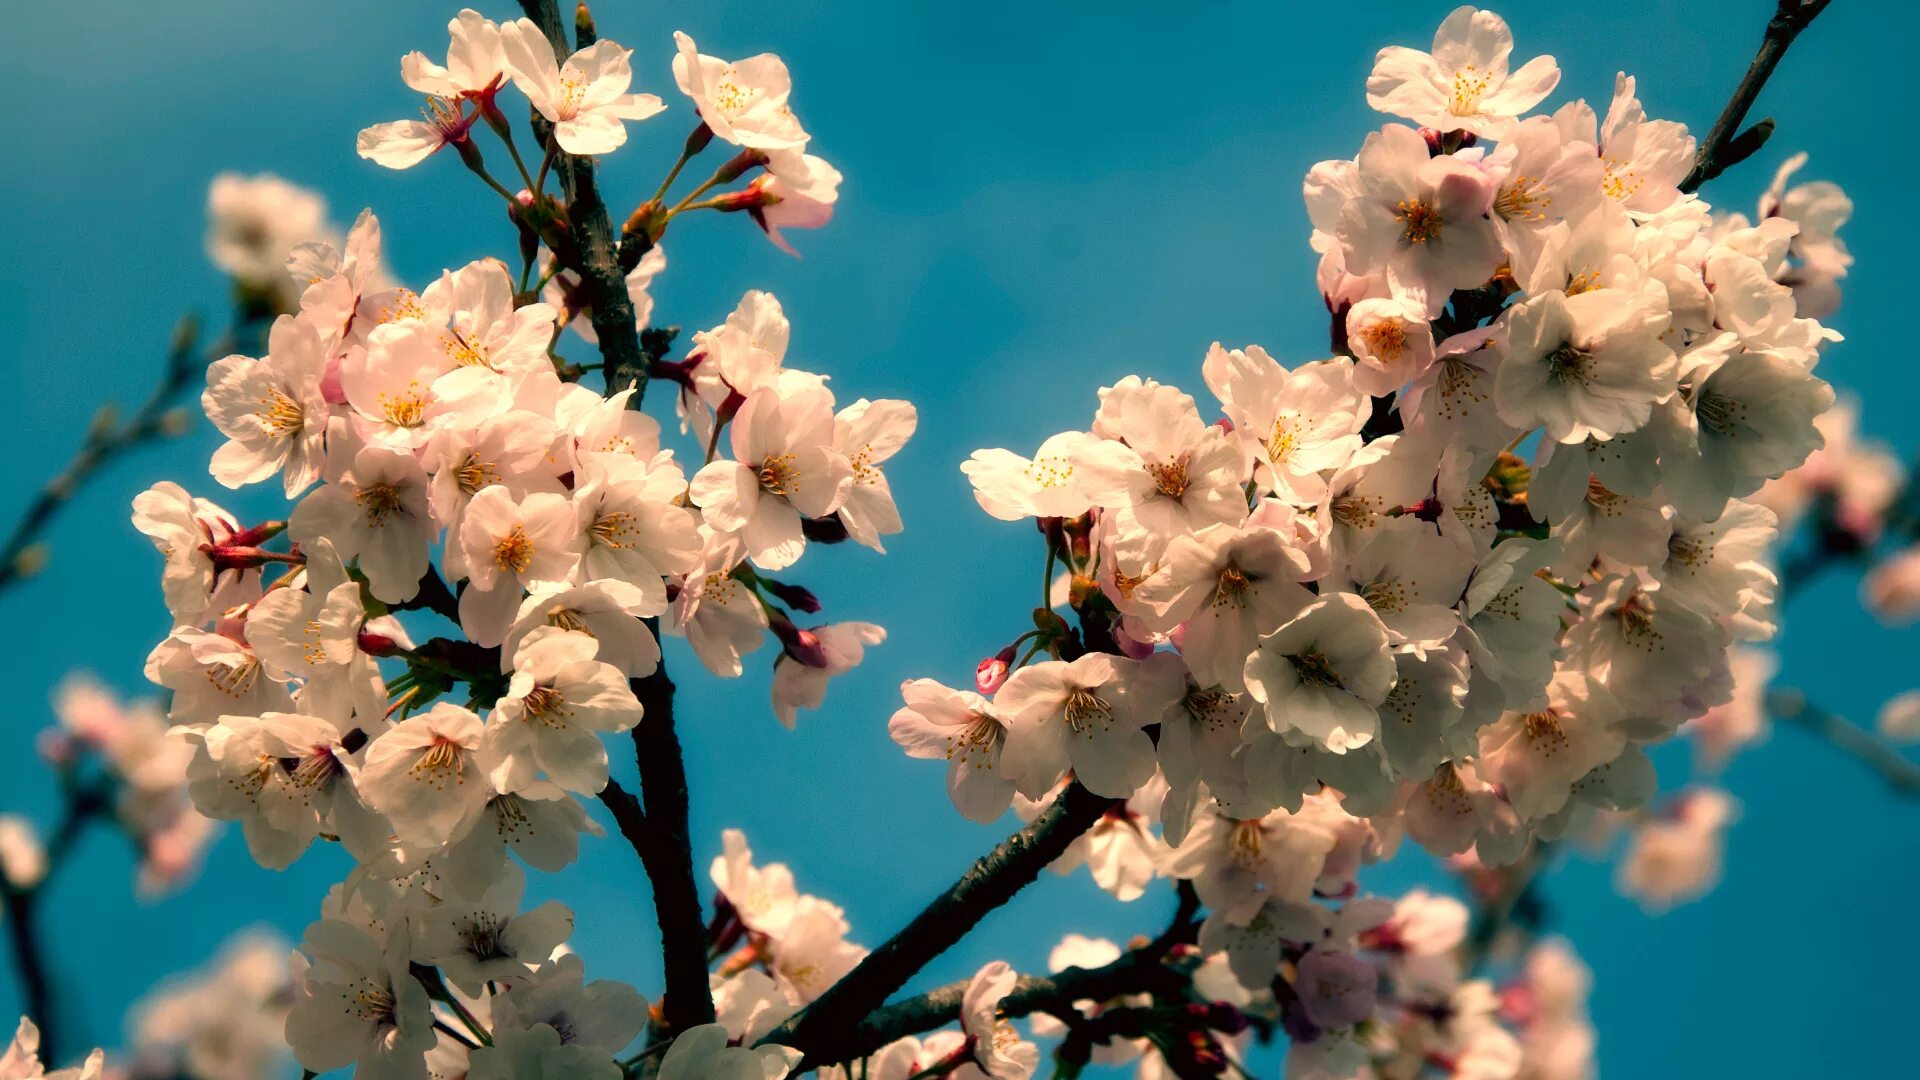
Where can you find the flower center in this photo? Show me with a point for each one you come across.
(1387, 338)
(1313, 670)
(777, 474)
(514, 552)
(464, 351)
(482, 937)
(1544, 732)
(234, 680)
(1522, 199)
(439, 763)
(731, 99)
(545, 704)
(1231, 589)
(1567, 364)
(1620, 182)
(568, 619)
(1049, 472)
(474, 474)
(1469, 84)
(572, 92)
(406, 409)
(1720, 415)
(378, 502)
(1280, 442)
(1170, 478)
(317, 768)
(979, 740)
(1209, 707)
(1244, 843)
(1084, 708)
(1387, 597)
(615, 530)
(280, 414)
(1420, 222)
(374, 1001)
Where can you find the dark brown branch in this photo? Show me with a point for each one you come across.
(1791, 706)
(106, 440)
(1727, 145)
(595, 256)
(824, 1030)
(667, 854)
(659, 833)
(37, 993)
(1138, 971)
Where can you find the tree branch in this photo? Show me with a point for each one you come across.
(22, 903)
(1791, 706)
(823, 1031)
(1727, 145)
(659, 833)
(667, 854)
(106, 440)
(1137, 971)
(595, 258)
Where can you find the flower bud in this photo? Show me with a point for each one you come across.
(802, 646)
(377, 644)
(993, 671)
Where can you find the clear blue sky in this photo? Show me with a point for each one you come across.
(1039, 199)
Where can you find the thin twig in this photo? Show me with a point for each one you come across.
(106, 440)
(38, 996)
(1727, 145)
(822, 1030)
(1901, 774)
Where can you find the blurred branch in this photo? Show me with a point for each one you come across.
(1517, 895)
(84, 805)
(1727, 145)
(1791, 706)
(107, 439)
(822, 1030)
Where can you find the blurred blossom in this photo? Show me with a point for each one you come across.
(1892, 589)
(1676, 858)
(22, 858)
(1860, 478)
(1724, 729)
(1900, 717)
(222, 1022)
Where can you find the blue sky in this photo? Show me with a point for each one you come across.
(1039, 200)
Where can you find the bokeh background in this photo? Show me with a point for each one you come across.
(1040, 198)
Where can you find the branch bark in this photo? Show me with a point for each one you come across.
(1727, 145)
(1139, 971)
(596, 254)
(825, 1030)
(659, 832)
(667, 854)
(1792, 707)
(38, 995)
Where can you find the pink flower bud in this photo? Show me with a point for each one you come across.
(800, 645)
(993, 671)
(376, 644)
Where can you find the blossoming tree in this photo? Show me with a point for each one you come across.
(1441, 587)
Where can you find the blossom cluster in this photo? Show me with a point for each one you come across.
(1446, 583)
(1449, 583)
(445, 459)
